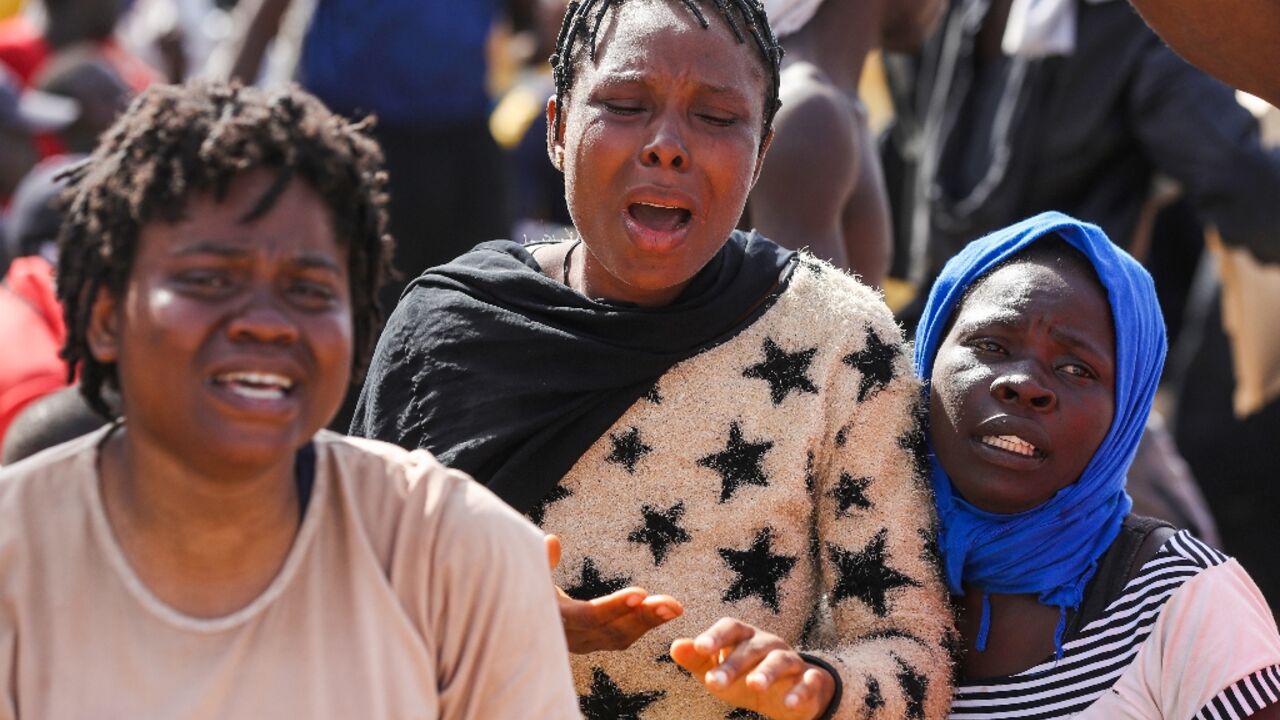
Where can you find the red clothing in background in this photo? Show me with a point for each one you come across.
(31, 335)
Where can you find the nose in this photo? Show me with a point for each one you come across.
(262, 319)
(666, 146)
(1023, 388)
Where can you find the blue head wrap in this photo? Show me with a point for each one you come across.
(1051, 550)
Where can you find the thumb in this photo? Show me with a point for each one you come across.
(553, 550)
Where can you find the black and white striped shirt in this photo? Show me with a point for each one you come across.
(1106, 668)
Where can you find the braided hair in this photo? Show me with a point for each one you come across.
(175, 141)
(583, 18)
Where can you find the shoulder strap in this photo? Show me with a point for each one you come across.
(1139, 540)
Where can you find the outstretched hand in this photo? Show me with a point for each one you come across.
(750, 668)
(612, 622)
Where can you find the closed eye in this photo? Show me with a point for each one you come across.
(622, 108)
(718, 120)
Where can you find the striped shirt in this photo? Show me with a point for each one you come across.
(1190, 636)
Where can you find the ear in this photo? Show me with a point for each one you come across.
(555, 140)
(103, 332)
(764, 148)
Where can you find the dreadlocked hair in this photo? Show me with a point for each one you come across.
(178, 140)
(583, 18)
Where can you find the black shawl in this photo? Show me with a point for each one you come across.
(510, 376)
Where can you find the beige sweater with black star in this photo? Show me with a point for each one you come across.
(768, 479)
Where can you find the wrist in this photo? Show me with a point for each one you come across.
(832, 688)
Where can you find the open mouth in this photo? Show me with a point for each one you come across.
(655, 216)
(255, 385)
(1012, 444)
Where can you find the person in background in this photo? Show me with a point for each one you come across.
(822, 188)
(26, 47)
(18, 153)
(1234, 42)
(32, 333)
(420, 67)
(84, 77)
(1023, 107)
(213, 552)
(1042, 345)
(695, 410)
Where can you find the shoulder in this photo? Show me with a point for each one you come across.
(43, 496)
(816, 130)
(811, 102)
(1212, 637)
(839, 300)
(412, 491)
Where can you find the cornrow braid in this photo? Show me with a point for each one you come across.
(580, 25)
(175, 141)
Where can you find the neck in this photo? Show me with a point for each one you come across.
(1020, 634)
(205, 540)
(586, 275)
(837, 39)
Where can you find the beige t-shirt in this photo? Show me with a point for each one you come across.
(410, 592)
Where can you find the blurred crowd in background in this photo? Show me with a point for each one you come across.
(991, 119)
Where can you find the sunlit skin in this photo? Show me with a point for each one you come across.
(669, 114)
(1031, 354)
(233, 346)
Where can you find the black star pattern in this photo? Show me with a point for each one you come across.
(538, 512)
(653, 395)
(850, 492)
(744, 714)
(874, 699)
(842, 436)
(608, 702)
(739, 463)
(661, 530)
(865, 575)
(628, 448)
(591, 584)
(666, 659)
(759, 571)
(914, 687)
(930, 553)
(875, 362)
(785, 372)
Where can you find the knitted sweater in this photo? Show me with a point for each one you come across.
(771, 479)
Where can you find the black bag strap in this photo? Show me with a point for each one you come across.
(1139, 540)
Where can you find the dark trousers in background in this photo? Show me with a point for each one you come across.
(1233, 460)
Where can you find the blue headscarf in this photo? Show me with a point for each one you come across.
(1051, 550)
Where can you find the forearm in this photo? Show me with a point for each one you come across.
(260, 22)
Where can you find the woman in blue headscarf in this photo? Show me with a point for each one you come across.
(1043, 344)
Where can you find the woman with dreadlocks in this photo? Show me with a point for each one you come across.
(213, 553)
(693, 409)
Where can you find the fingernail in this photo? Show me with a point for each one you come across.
(717, 679)
(792, 701)
(665, 613)
(703, 645)
(758, 681)
(634, 600)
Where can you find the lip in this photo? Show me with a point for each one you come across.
(647, 238)
(1028, 430)
(258, 408)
